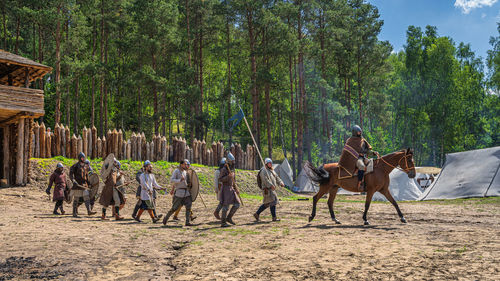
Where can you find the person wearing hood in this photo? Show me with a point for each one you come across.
(58, 178)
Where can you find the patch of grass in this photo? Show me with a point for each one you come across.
(461, 250)
(197, 243)
(286, 231)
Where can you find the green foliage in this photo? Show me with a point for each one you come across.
(135, 65)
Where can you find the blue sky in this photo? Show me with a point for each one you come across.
(468, 21)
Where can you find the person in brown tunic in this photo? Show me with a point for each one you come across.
(229, 191)
(78, 174)
(354, 155)
(58, 178)
(106, 198)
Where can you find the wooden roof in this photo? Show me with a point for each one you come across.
(16, 67)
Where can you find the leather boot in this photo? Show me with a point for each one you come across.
(188, 217)
(231, 214)
(62, 210)
(117, 214)
(75, 208)
(216, 215)
(89, 211)
(223, 219)
(136, 209)
(55, 210)
(167, 216)
(103, 216)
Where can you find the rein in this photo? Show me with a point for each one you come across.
(398, 166)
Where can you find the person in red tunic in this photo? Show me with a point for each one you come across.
(58, 178)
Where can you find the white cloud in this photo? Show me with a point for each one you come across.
(483, 15)
(469, 5)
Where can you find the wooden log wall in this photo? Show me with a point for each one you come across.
(60, 142)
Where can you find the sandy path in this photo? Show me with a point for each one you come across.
(449, 241)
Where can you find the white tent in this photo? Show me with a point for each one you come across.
(401, 187)
(284, 171)
(467, 174)
(304, 184)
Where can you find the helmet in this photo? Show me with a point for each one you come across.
(356, 129)
(81, 155)
(230, 156)
(59, 165)
(268, 160)
(147, 163)
(119, 164)
(87, 162)
(187, 162)
(223, 160)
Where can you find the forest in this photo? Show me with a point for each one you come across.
(303, 72)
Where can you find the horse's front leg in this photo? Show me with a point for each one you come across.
(368, 200)
(331, 198)
(389, 197)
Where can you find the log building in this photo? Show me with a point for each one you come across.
(19, 105)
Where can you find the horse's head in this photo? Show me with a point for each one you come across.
(407, 164)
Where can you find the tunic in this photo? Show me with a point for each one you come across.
(106, 198)
(354, 148)
(181, 186)
(79, 173)
(228, 193)
(59, 181)
(269, 179)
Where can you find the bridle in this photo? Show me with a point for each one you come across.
(398, 166)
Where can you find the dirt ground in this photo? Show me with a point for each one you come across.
(457, 241)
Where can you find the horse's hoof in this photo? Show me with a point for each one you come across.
(367, 223)
(337, 221)
(403, 220)
(311, 218)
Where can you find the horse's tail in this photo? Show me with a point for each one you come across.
(317, 175)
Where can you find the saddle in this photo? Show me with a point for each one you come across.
(369, 167)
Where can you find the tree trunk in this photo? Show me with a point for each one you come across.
(20, 152)
(101, 105)
(268, 115)
(228, 89)
(58, 68)
(94, 47)
(155, 95)
(18, 30)
(255, 94)
(200, 101)
(4, 21)
(301, 123)
(139, 109)
(188, 34)
(105, 85)
(360, 101)
(77, 104)
(292, 114)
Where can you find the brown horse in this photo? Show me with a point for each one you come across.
(327, 177)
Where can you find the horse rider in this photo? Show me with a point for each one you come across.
(355, 155)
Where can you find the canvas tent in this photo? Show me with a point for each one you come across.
(401, 187)
(284, 171)
(304, 184)
(467, 174)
